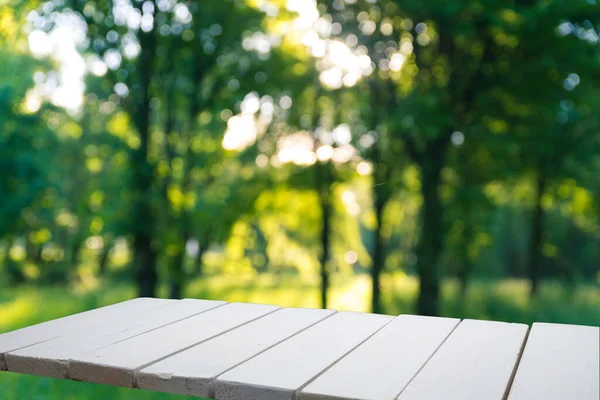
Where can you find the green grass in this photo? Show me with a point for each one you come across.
(23, 387)
(505, 300)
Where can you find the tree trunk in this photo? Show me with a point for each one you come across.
(378, 256)
(381, 194)
(75, 249)
(430, 244)
(176, 289)
(177, 274)
(198, 262)
(104, 257)
(325, 221)
(13, 271)
(535, 243)
(33, 251)
(512, 253)
(177, 268)
(37, 260)
(467, 238)
(323, 185)
(143, 173)
(467, 265)
(145, 256)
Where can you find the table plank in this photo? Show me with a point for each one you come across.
(118, 364)
(34, 334)
(281, 371)
(50, 358)
(191, 372)
(559, 362)
(383, 365)
(475, 362)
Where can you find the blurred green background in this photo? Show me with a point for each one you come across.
(435, 157)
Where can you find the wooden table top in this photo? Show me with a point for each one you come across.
(243, 351)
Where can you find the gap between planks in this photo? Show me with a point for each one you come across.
(482, 355)
(52, 358)
(428, 359)
(516, 367)
(194, 371)
(560, 361)
(52, 329)
(277, 392)
(162, 326)
(116, 365)
(214, 379)
(272, 375)
(138, 369)
(297, 393)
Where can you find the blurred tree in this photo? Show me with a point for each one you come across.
(25, 140)
(444, 62)
(23, 135)
(548, 111)
(24, 132)
(299, 136)
(182, 54)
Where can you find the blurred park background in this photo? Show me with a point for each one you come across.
(433, 157)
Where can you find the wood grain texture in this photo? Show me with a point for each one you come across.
(250, 352)
(381, 367)
(281, 371)
(118, 364)
(559, 362)
(50, 358)
(476, 362)
(191, 372)
(44, 331)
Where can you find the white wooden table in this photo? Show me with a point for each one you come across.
(252, 351)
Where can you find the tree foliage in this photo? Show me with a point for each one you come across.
(319, 138)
